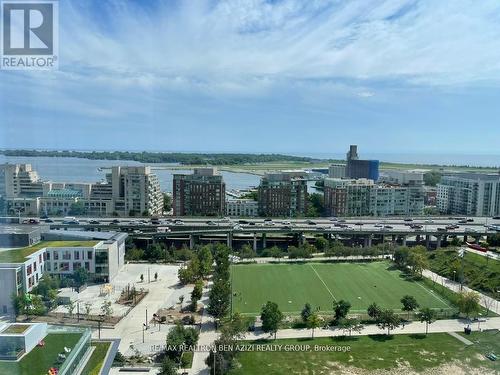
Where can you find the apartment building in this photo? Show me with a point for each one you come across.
(135, 191)
(282, 194)
(202, 193)
(362, 197)
(470, 194)
(127, 190)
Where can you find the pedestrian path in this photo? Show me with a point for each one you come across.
(460, 338)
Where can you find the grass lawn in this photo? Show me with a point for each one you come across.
(40, 359)
(16, 328)
(19, 255)
(95, 362)
(292, 285)
(398, 353)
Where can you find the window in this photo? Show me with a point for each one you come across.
(89, 255)
(64, 267)
(56, 255)
(29, 270)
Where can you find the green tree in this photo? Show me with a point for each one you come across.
(401, 255)
(197, 292)
(106, 308)
(306, 312)
(468, 303)
(80, 276)
(374, 311)
(70, 306)
(313, 322)
(388, 320)
(432, 178)
(409, 304)
(77, 209)
(417, 261)
(246, 252)
(275, 252)
(168, 367)
(271, 317)
(341, 309)
(219, 299)
(205, 259)
(428, 316)
(167, 202)
(350, 324)
(321, 244)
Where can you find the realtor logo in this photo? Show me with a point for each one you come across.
(29, 35)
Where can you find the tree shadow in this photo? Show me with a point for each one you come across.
(417, 336)
(381, 338)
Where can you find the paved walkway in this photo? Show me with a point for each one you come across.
(208, 335)
(449, 325)
(485, 301)
(460, 338)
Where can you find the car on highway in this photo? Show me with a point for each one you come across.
(211, 223)
(71, 222)
(333, 219)
(441, 229)
(310, 222)
(378, 225)
(388, 227)
(92, 221)
(178, 222)
(252, 223)
(429, 222)
(47, 220)
(243, 222)
(115, 221)
(408, 219)
(496, 217)
(286, 222)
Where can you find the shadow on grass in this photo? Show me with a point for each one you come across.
(417, 336)
(381, 338)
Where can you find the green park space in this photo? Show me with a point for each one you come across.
(96, 361)
(40, 359)
(293, 285)
(435, 353)
(20, 255)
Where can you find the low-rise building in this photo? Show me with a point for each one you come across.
(336, 171)
(242, 207)
(21, 269)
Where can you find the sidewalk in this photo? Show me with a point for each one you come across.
(450, 325)
(484, 301)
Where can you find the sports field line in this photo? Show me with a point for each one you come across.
(326, 286)
(332, 312)
(433, 294)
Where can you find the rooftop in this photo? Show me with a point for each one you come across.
(20, 255)
(18, 229)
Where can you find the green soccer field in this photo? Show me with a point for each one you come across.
(292, 285)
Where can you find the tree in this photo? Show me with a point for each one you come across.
(417, 261)
(428, 316)
(468, 303)
(271, 317)
(167, 202)
(388, 320)
(306, 312)
(401, 255)
(321, 244)
(70, 306)
(341, 308)
(197, 292)
(106, 308)
(246, 252)
(181, 300)
(77, 209)
(87, 306)
(80, 276)
(205, 261)
(409, 304)
(168, 367)
(374, 311)
(350, 324)
(275, 252)
(432, 178)
(313, 322)
(219, 299)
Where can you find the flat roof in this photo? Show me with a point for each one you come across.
(18, 229)
(20, 255)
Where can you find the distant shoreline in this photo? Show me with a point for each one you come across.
(235, 162)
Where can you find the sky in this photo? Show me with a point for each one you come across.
(289, 76)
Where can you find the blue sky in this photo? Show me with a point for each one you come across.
(291, 76)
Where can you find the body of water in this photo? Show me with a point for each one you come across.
(86, 170)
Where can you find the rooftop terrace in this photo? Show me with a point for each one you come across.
(20, 255)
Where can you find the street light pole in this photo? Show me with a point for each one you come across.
(146, 318)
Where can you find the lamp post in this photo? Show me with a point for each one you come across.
(143, 328)
(146, 324)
